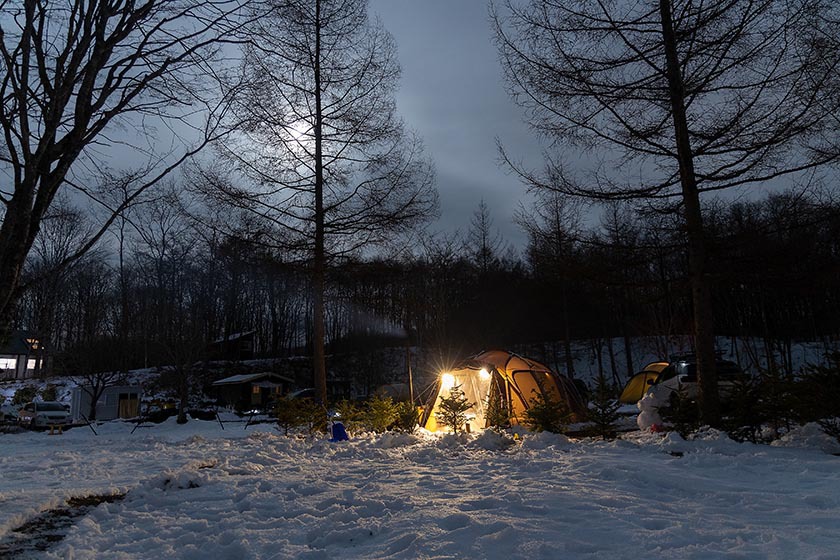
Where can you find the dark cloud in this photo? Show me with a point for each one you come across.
(453, 94)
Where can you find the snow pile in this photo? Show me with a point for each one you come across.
(197, 491)
(810, 435)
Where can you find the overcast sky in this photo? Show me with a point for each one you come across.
(453, 95)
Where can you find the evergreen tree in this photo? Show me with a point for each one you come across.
(746, 417)
(296, 413)
(682, 413)
(777, 400)
(453, 409)
(547, 415)
(817, 392)
(407, 417)
(380, 414)
(351, 415)
(604, 410)
(497, 414)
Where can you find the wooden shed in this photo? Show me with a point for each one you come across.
(253, 390)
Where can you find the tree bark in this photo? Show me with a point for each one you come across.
(319, 259)
(701, 297)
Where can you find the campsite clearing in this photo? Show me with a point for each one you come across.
(197, 491)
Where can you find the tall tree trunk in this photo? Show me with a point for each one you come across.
(701, 297)
(628, 352)
(567, 342)
(611, 353)
(14, 246)
(124, 303)
(319, 260)
(183, 394)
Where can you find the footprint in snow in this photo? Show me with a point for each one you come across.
(454, 521)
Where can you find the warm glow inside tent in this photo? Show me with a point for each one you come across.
(639, 384)
(506, 379)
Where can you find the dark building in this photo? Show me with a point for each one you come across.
(234, 347)
(253, 390)
(21, 356)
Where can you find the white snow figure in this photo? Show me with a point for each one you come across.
(649, 418)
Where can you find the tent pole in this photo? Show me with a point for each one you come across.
(410, 379)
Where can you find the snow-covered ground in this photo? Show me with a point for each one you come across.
(199, 492)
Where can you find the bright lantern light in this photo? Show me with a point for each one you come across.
(484, 374)
(447, 380)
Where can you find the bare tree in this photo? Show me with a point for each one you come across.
(63, 230)
(74, 75)
(684, 97)
(322, 154)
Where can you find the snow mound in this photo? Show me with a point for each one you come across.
(173, 480)
(810, 436)
(391, 440)
(545, 440)
(490, 440)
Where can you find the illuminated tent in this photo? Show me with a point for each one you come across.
(639, 384)
(501, 377)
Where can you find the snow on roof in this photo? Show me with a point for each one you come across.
(245, 378)
(234, 336)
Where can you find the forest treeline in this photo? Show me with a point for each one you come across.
(165, 283)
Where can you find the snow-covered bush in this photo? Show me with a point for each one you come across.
(25, 394)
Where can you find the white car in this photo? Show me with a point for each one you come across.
(42, 414)
(681, 375)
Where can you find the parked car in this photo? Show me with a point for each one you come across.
(40, 414)
(681, 375)
(8, 413)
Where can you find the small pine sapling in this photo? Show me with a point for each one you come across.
(497, 414)
(777, 401)
(819, 394)
(289, 415)
(313, 416)
(682, 413)
(745, 419)
(452, 411)
(546, 414)
(604, 410)
(380, 414)
(818, 390)
(50, 393)
(408, 417)
(25, 394)
(351, 415)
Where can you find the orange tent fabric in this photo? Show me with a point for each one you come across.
(506, 378)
